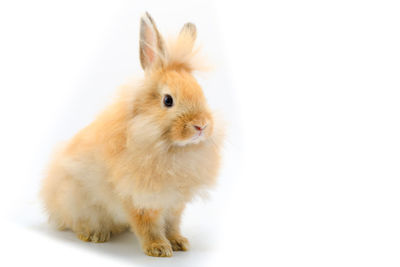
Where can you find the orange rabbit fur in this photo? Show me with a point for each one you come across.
(144, 157)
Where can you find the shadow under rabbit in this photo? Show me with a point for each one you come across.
(126, 247)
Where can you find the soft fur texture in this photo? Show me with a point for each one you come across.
(140, 162)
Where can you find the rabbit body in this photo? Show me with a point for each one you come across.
(140, 161)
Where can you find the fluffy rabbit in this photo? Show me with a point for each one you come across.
(144, 157)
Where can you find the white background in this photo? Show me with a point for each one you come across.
(311, 93)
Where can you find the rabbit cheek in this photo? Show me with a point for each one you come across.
(180, 132)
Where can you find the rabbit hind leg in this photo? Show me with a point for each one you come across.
(97, 231)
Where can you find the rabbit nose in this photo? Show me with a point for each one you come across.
(200, 128)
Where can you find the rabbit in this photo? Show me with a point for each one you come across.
(143, 158)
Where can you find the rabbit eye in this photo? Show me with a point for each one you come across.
(168, 101)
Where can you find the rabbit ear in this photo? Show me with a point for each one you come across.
(188, 33)
(152, 47)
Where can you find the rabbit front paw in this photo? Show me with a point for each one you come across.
(158, 249)
(179, 243)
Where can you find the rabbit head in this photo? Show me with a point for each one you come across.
(170, 106)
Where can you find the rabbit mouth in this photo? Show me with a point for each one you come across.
(195, 139)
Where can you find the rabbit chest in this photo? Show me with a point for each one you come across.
(166, 180)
